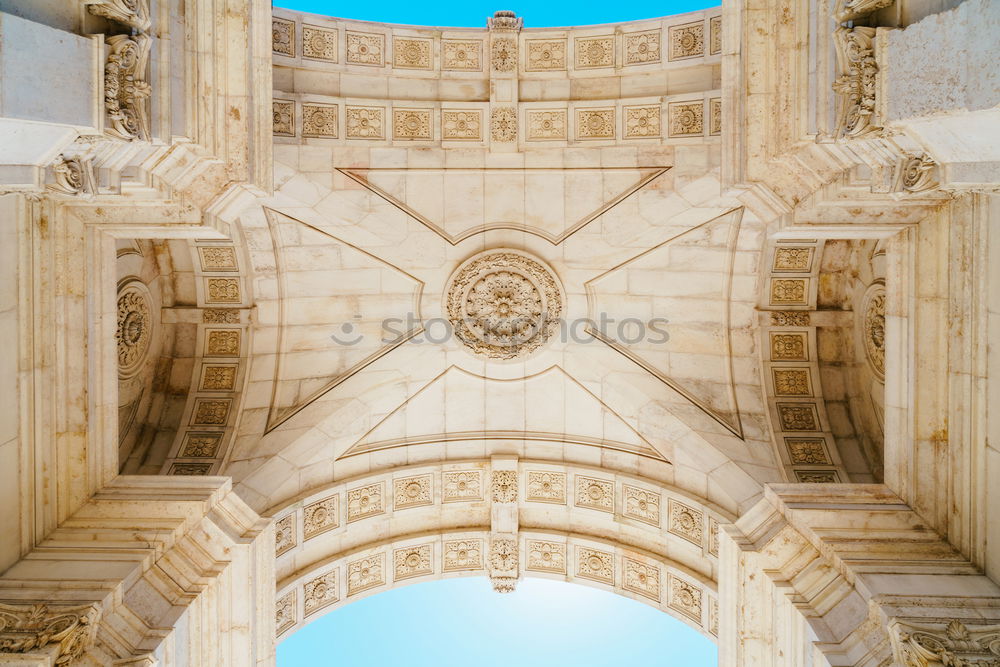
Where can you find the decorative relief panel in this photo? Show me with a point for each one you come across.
(365, 501)
(685, 521)
(503, 564)
(321, 516)
(545, 556)
(597, 494)
(283, 121)
(874, 328)
(412, 491)
(222, 290)
(218, 258)
(463, 555)
(715, 116)
(503, 486)
(792, 259)
(595, 565)
(503, 54)
(595, 123)
(134, 330)
(642, 48)
(546, 55)
(365, 573)
(211, 412)
(283, 37)
(218, 378)
(464, 124)
(791, 381)
(462, 485)
(817, 476)
(713, 616)
(715, 35)
(642, 579)
(503, 124)
(321, 592)
(220, 316)
(789, 318)
(411, 123)
(642, 122)
(126, 92)
(798, 417)
(319, 43)
(547, 487)
(713, 536)
(365, 48)
(685, 598)
(789, 347)
(789, 291)
(809, 451)
(284, 534)
(191, 468)
(411, 53)
(365, 122)
(200, 445)
(320, 120)
(857, 84)
(548, 124)
(411, 562)
(594, 52)
(461, 55)
(222, 343)
(641, 504)
(686, 119)
(687, 41)
(284, 612)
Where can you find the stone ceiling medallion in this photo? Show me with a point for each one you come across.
(134, 328)
(503, 304)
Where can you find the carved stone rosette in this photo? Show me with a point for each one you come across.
(134, 328)
(953, 645)
(874, 328)
(133, 13)
(29, 627)
(856, 85)
(126, 92)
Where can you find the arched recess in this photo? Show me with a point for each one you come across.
(614, 530)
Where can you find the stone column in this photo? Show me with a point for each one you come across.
(504, 30)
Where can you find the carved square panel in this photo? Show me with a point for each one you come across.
(222, 290)
(211, 411)
(685, 521)
(546, 487)
(685, 597)
(411, 562)
(411, 123)
(641, 504)
(798, 417)
(319, 43)
(715, 116)
(462, 124)
(817, 476)
(412, 491)
(686, 119)
(789, 291)
(365, 48)
(462, 485)
(791, 381)
(792, 346)
(366, 122)
(462, 55)
(642, 48)
(218, 377)
(462, 555)
(546, 556)
(793, 259)
(687, 41)
(283, 121)
(642, 122)
(503, 54)
(595, 123)
(595, 565)
(284, 534)
(320, 517)
(642, 578)
(808, 451)
(545, 55)
(594, 52)
(320, 120)
(365, 501)
(411, 53)
(503, 486)
(190, 468)
(365, 573)
(222, 343)
(546, 124)
(200, 445)
(321, 592)
(283, 37)
(218, 258)
(284, 612)
(715, 35)
(598, 494)
(503, 124)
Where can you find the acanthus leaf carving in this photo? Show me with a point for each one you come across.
(126, 92)
(856, 85)
(133, 13)
(953, 644)
(28, 627)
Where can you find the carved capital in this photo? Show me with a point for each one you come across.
(856, 85)
(29, 627)
(126, 92)
(951, 644)
(133, 13)
(505, 21)
(849, 10)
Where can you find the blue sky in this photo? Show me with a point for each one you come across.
(462, 622)
(473, 13)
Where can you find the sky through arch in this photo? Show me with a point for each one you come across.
(473, 13)
(463, 623)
